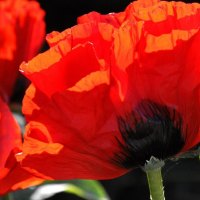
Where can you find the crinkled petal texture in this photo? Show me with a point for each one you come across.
(99, 69)
(12, 176)
(72, 125)
(163, 65)
(22, 31)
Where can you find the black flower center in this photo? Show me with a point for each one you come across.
(150, 130)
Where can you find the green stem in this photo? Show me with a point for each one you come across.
(152, 168)
(155, 182)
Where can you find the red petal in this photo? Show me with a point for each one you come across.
(111, 18)
(99, 35)
(83, 122)
(58, 63)
(14, 177)
(189, 93)
(159, 11)
(9, 133)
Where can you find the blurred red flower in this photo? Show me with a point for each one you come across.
(22, 31)
(113, 91)
(12, 176)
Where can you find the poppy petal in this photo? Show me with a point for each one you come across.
(12, 175)
(111, 18)
(45, 77)
(94, 140)
(9, 133)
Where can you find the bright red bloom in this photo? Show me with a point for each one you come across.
(142, 62)
(22, 31)
(12, 176)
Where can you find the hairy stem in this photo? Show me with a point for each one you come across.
(155, 182)
(154, 176)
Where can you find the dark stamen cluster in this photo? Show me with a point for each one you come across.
(149, 130)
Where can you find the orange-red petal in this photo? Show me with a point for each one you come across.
(80, 119)
(10, 137)
(14, 177)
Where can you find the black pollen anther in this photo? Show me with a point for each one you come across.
(150, 130)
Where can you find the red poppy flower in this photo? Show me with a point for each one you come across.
(22, 31)
(12, 176)
(105, 98)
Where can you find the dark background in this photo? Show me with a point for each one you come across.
(62, 14)
(181, 179)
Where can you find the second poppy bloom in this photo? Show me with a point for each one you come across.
(22, 31)
(105, 98)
